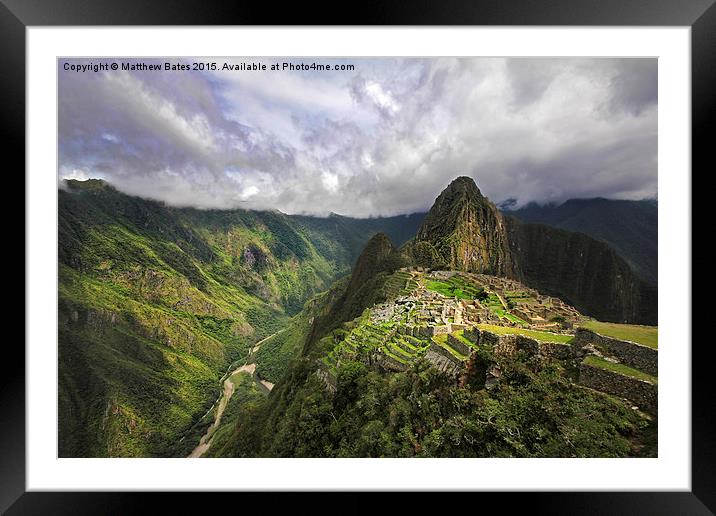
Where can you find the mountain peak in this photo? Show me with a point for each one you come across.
(466, 231)
(463, 185)
(372, 260)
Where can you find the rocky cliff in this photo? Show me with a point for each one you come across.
(584, 272)
(466, 231)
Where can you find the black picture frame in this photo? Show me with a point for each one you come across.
(17, 15)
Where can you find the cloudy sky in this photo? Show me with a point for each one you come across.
(382, 139)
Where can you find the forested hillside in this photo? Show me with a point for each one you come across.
(630, 227)
(156, 302)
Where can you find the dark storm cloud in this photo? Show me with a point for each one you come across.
(381, 140)
(530, 78)
(634, 86)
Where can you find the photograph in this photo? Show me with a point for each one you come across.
(357, 257)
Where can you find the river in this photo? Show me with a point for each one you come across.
(226, 393)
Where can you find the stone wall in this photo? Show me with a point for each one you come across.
(407, 329)
(328, 379)
(507, 344)
(472, 334)
(500, 344)
(441, 330)
(556, 350)
(443, 360)
(388, 363)
(523, 343)
(629, 353)
(643, 394)
(458, 345)
(424, 332)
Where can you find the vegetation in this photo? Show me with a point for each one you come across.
(646, 335)
(442, 341)
(586, 273)
(630, 227)
(544, 336)
(463, 231)
(533, 412)
(246, 396)
(492, 302)
(620, 368)
(456, 286)
(372, 281)
(273, 357)
(155, 302)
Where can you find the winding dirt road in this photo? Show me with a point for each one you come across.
(248, 367)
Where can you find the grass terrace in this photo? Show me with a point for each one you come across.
(544, 336)
(513, 318)
(399, 284)
(455, 286)
(442, 341)
(519, 297)
(493, 303)
(460, 335)
(400, 357)
(646, 335)
(619, 368)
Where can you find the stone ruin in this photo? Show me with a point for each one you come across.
(424, 314)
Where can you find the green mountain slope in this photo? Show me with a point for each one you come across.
(466, 231)
(422, 413)
(535, 411)
(156, 302)
(630, 227)
(365, 288)
(348, 404)
(585, 272)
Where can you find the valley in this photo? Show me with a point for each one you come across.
(464, 332)
(219, 406)
(155, 303)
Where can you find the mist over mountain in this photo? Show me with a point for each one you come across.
(357, 388)
(155, 302)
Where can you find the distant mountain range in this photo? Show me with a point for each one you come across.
(630, 227)
(155, 302)
(338, 398)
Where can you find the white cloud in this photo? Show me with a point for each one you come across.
(80, 175)
(382, 98)
(330, 181)
(381, 140)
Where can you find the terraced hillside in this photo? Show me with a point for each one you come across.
(405, 374)
(404, 357)
(393, 336)
(156, 302)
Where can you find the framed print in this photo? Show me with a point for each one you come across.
(436, 250)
